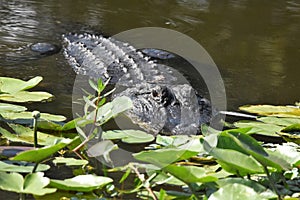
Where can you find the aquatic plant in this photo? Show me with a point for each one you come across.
(219, 164)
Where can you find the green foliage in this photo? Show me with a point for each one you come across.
(69, 161)
(128, 136)
(14, 90)
(82, 183)
(32, 183)
(5, 167)
(269, 110)
(39, 154)
(227, 164)
(25, 134)
(6, 107)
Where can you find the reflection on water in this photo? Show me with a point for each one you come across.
(255, 44)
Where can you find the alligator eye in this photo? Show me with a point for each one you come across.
(154, 93)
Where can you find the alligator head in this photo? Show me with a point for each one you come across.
(160, 102)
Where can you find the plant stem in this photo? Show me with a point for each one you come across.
(35, 167)
(272, 182)
(142, 179)
(36, 115)
(22, 196)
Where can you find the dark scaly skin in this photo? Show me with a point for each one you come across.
(160, 102)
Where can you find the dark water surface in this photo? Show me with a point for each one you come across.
(255, 44)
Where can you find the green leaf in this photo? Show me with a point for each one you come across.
(287, 153)
(82, 183)
(164, 140)
(40, 154)
(12, 85)
(112, 109)
(189, 174)
(280, 121)
(270, 110)
(28, 115)
(102, 148)
(291, 133)
(251, 146)
(69, 161)
(128, 136)
(259, 128)
(236, 191)
(164, 157)
(235, 162)
(93, 85)
(252, 184)
(32, 184)
(25, 96)
(4, 167)
(25, 134)
(6, 107)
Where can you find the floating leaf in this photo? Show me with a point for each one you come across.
(28, 115)
(5, 167)
(40, 154)
(270, 110)
(236, 191)
(6, 107)
(13, 85)
(69, 161)
(280, 121)
(235, 162)
(128, 136)
(25, 134)
(83, 183)
(286, 152)
(25, 96)
(189, 174)
(259, 128)
(253, 148)
(250, 183)
(32, 184)
(164, 157)
(291, 133)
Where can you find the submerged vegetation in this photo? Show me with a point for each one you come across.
(228, 164)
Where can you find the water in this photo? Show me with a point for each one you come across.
(255, 44)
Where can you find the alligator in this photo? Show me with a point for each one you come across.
(161, 103)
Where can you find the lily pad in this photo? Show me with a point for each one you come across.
(280, 121)
(6, 107)
(13, 85)
(25, 134)
(28, 115)
(40, 154)
(259, 128)
(69, 161)
(128, 136)
(32, 183)
(291, 133)
(83, 183)
(236, 191)
(164, 157)
(189, 174)
(25, 96)
(4, 167)
(270, 110)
